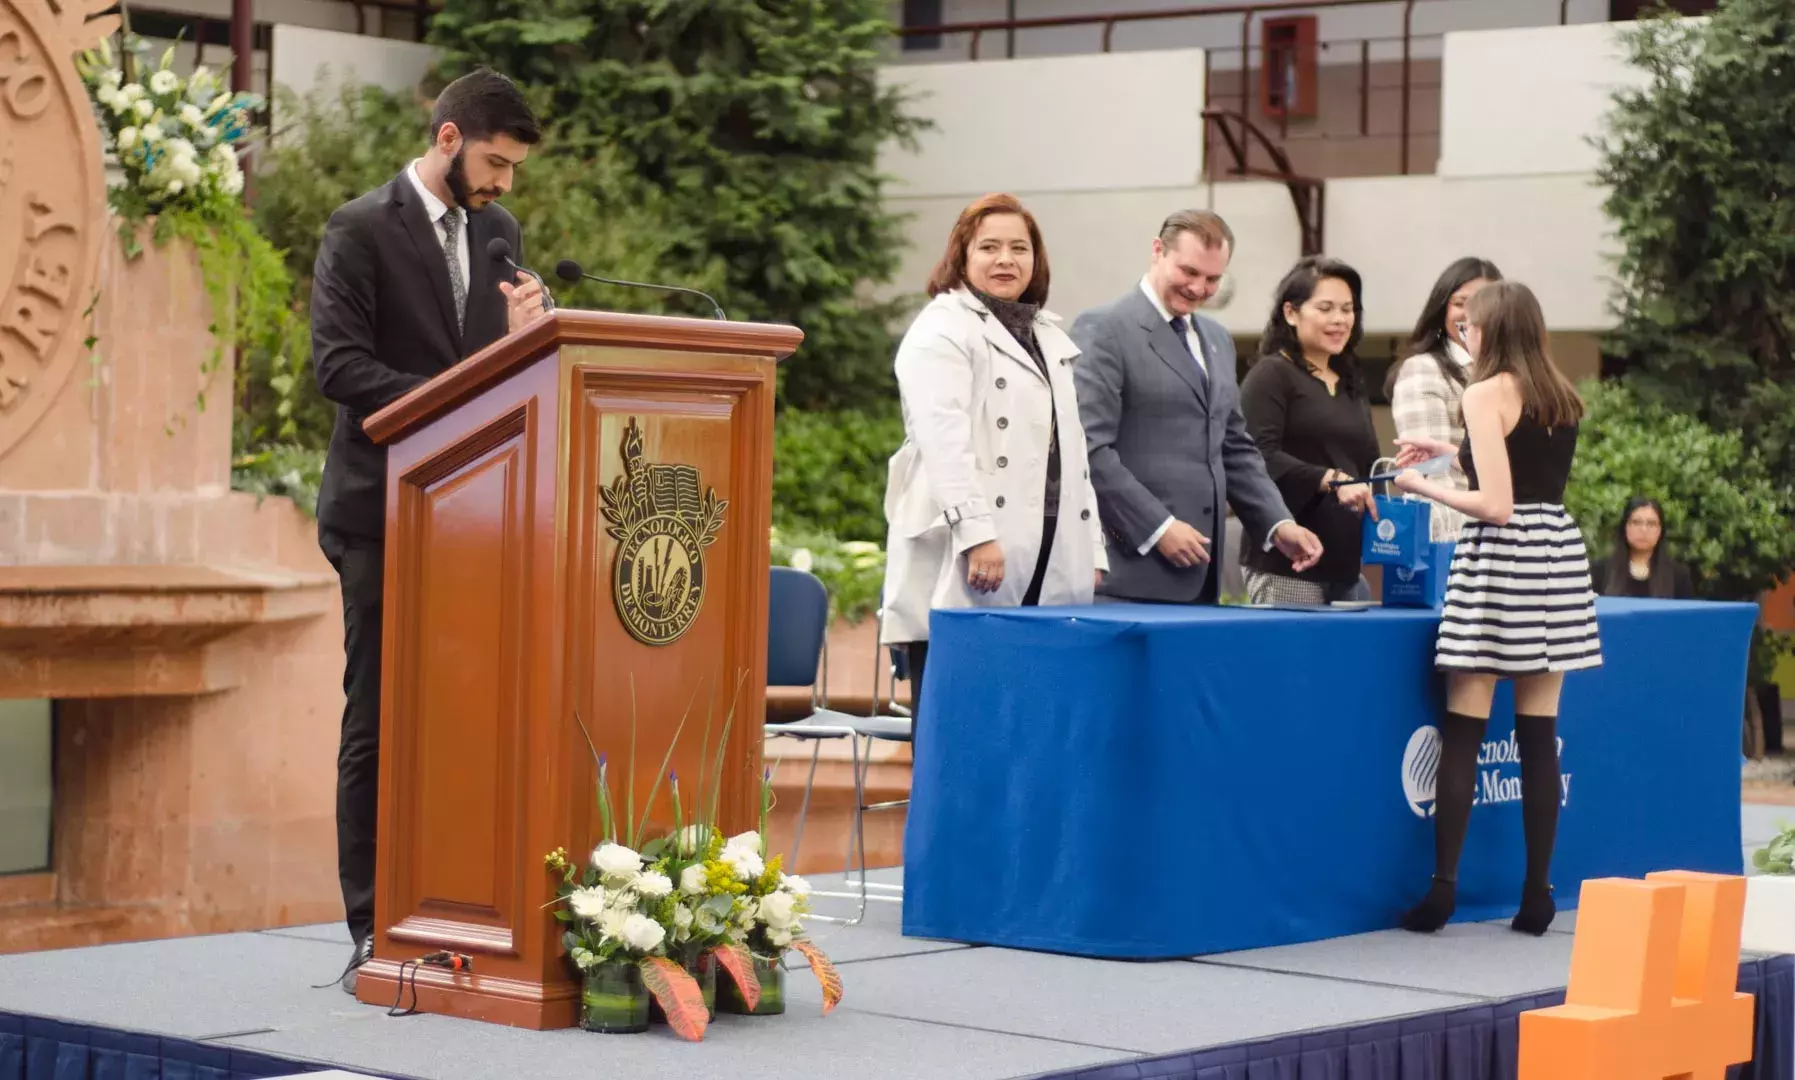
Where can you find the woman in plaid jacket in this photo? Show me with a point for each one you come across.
(1424, 390)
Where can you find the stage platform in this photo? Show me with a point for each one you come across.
(913, 1008)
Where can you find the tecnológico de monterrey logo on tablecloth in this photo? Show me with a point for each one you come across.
(1498, 771)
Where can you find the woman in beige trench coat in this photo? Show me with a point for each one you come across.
(988, 502)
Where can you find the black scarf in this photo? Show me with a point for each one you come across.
(1019, 319)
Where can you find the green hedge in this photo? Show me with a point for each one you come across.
(829, 471)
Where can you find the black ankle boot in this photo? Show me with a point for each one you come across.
(1537, 910)
(1434, 910)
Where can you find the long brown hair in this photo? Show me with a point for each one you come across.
(950, 272)
(1514, 341)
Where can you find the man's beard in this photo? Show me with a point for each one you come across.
(457, 179)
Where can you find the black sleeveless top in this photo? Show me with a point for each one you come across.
(1539, 460)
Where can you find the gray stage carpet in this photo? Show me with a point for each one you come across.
(912, 1008)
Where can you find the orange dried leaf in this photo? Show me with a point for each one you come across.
(736, 960)
(825, 972)
(679, 995)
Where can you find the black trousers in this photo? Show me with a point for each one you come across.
(360, 563)
(919, 650)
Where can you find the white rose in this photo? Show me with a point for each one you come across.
(745, 863)
(748, 841)
(127, 138)
(795, 885)
(693, 837)
(801, 560)
(222, 154)
(654, 886)
(691, 880)
(202, 76)
(174, 187)
(181, 150)
(643, 934)
(587, 903)
(164, 82)
(779, 938)
(110, 78)
(120, 104)
(143, 110)
(682, 917)
(106, 95)
(151, 134)
(130, 92)
(192, 117)
(233, 182)
(616, 861)
(776, 910)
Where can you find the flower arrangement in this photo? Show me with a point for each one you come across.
(657, 918)
(175, 140)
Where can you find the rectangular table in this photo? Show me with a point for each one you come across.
(1144, 781)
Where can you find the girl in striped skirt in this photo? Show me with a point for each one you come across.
(1518, 599)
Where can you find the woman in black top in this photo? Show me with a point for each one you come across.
(1641, 564)
(1305, 403)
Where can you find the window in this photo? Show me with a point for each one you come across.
(27, 742)
(921, 13)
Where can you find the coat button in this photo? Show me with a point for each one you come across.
(1000, 502)
(1003, 422)
(1003, 462)
(1001, 383)
(1084, 515)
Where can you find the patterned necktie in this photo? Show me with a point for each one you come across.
(451, 222)
(1179, 326)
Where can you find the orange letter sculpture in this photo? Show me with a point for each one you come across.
(1652, 993)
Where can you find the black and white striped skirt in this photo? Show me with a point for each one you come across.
(1518, 597)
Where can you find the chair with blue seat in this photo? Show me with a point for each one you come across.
(797, 655)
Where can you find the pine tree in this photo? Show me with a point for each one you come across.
(757, 125)
(1701, 166)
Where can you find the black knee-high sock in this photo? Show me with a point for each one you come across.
(1540, 794)
(1455, 781)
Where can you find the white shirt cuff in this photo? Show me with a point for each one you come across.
(1274, 532)
(1157, 533)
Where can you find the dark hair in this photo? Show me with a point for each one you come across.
(1206, 225)
(950, 272)
(1430, 329)
(1662, 580)
(482, 104)
(1296, 289)
(1514, 341)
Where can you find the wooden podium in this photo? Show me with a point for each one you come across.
(577, 528)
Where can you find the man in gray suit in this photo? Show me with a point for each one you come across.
(1169, 449)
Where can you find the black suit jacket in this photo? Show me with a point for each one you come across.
(383, 321)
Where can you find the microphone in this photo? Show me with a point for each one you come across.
(568, 270)
(498, 249)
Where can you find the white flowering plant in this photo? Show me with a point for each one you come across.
(176, 141)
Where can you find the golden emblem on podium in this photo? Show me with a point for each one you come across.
(662, 526)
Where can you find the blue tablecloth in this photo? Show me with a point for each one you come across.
(1144, 781)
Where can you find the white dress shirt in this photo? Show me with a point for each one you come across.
(436, 208)
(1195, 342)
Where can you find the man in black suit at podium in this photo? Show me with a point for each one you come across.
(404, 289)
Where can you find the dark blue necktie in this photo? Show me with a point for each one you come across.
(1178, 328)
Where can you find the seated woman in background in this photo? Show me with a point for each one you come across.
(1306, 405)
(1641, 564)
(988, 502)
(1427, 390)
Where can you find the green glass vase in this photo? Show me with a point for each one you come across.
(704, 971)
(613, 999)
(771, 974)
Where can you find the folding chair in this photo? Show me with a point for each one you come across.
(797, 655)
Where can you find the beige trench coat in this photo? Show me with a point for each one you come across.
(973, 467)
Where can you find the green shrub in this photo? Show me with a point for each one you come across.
(281, 469)
(853, 572)
(1726, 517)
(829, 470)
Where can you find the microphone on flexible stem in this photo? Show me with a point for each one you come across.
(568, 270)
(499, 250)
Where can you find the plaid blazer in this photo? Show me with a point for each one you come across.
(1426, 403)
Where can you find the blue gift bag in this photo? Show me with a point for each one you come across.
(1425, 587)
(1399, 536)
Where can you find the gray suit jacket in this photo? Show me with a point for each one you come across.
(1162, 444)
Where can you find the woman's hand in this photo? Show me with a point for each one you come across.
(1418, 448)
(1410, 481)
(1358, 498)
(984, 567)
